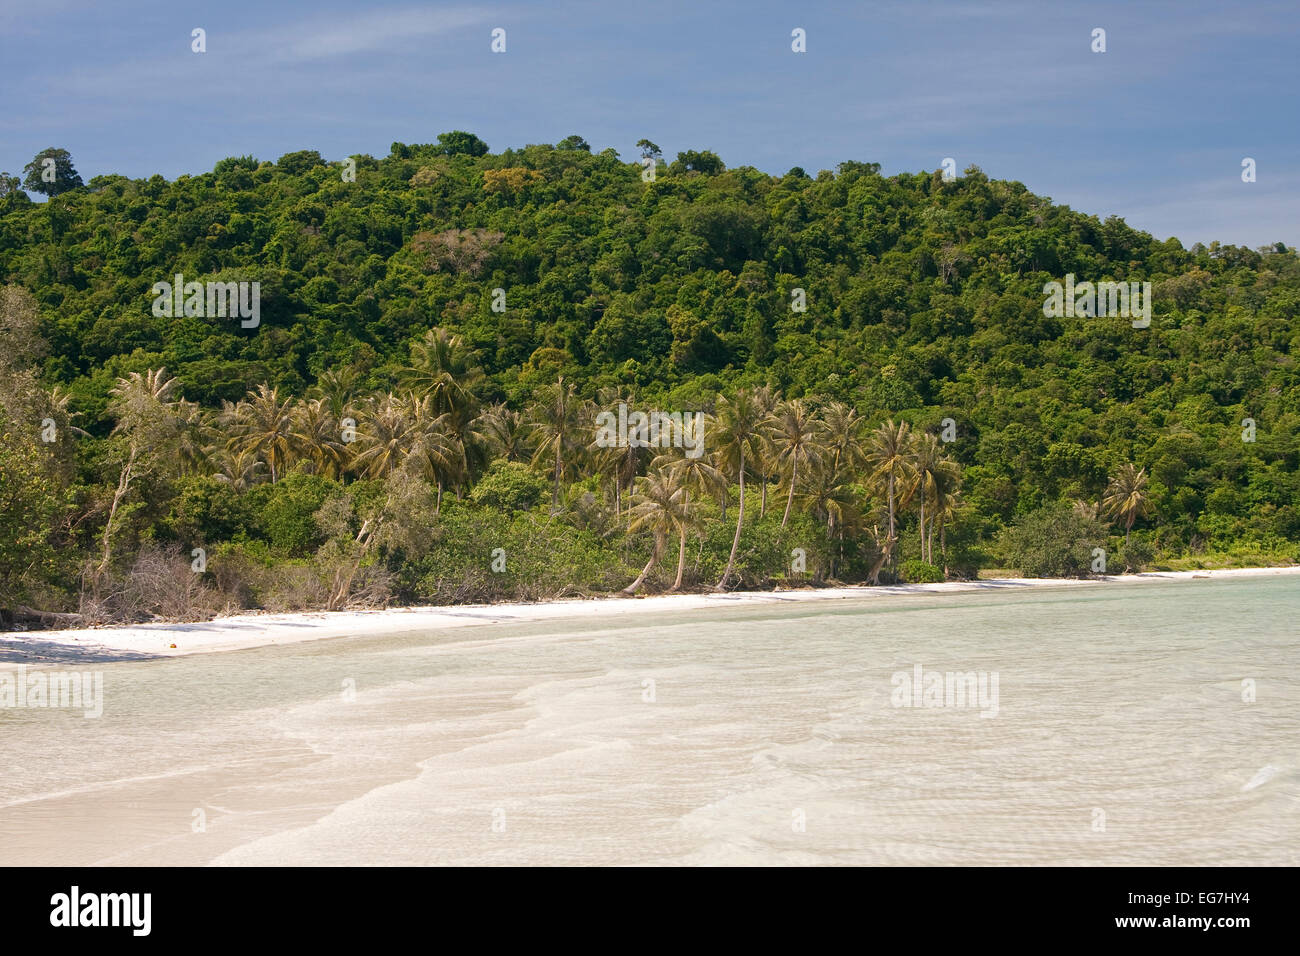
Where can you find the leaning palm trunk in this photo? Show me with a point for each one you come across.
(740, 519)
(649, 565)
(681, 558)
(789, 500)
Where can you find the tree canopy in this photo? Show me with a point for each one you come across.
(51, 173)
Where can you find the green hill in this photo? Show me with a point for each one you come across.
(903, 298)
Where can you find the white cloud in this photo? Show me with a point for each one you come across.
(180, 74)
(372, 31)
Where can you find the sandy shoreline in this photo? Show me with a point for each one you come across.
(258, 630)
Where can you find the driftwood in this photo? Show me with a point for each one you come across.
(48, 618)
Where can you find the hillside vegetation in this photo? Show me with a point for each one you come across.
(413, 417)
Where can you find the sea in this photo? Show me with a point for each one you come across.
(1153, 723)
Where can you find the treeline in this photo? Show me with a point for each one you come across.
(442, 298)
(337, 498)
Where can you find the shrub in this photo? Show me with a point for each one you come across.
(161, 582)
(509, 486)
(205, 509)
(1138, 553)
(284, 513)
(543, 557)
(765, 556)
(920, 572)
(1054, 541)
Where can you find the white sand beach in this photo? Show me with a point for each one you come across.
(257, 630)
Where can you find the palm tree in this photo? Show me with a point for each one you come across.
(766, 399)
(607, 460)
(141, 403)
(438, 453)
(554, 422)
(1126, 497)
(926, 465)
(406, 433)
(338, 388)
(240, 470)
(443, 368)
(888, 458)
(1088, 510)
(735, 441)
(945, 485)
(841, 432)
(696, 474)
(470, 449)
(659, 504)
(338, 392)
(692, 473)
(193, 440)
(622, 462)
(59, 399)
(507, 432)
(947, 504)
(792, 432)
(317, 437)
(631, 459)
(831, 496)
(264, 424)
(384, 437)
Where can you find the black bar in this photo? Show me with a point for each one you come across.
(946, 908)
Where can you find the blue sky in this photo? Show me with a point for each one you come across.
(1153, 130)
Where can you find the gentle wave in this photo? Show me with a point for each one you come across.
(1123, 735)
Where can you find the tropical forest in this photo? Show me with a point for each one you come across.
(876, 391)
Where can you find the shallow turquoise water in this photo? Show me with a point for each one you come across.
(754, 735)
